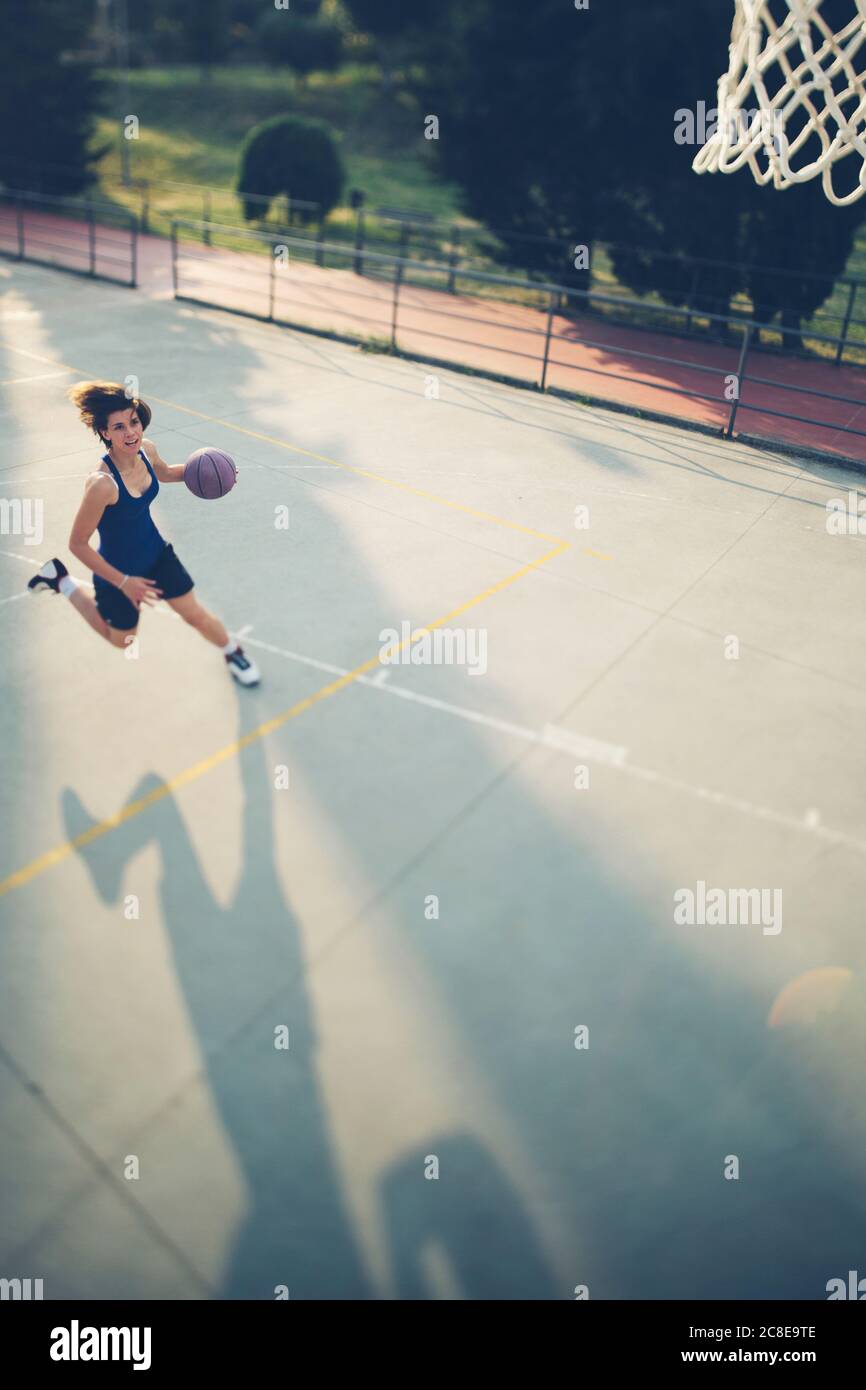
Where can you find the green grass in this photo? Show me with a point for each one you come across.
(191, 131)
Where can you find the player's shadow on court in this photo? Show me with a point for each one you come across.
(298, 1231)
(471, 1215)
(625, 1144)
(541, 931)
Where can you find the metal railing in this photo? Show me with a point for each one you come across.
(466, 249)
(209, 197)
(403, 310)
(283, 207)
(683, 284)
(75, 234)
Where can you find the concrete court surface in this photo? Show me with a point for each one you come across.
(170, 904)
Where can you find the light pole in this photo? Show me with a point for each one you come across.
(121, 32)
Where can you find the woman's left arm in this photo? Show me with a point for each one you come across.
(165, 472)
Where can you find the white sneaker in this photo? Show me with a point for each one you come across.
(246, 672)
(47, 580)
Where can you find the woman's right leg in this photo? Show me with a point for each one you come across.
(54, 577)
(85, 604)
(121, 637)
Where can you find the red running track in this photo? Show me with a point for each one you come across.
(588, 356)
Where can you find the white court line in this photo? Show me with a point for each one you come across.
(581, 747)
(35, 356)
(28, 559)
(589, 749)
(85, 579)
(558, 740)
(22, 380)
(50, 478)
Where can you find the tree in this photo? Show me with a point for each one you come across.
(381, 18)
(400, 28)
(49, 100)
(306, 45)
(562, 123)
(206, 31)
(513, 124)
(768, 241)
(293, 155)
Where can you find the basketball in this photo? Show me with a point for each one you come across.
(209, 473)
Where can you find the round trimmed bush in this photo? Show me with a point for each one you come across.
(296, 155)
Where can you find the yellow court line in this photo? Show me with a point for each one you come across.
(191, 774)
(57, 855)
(324, 458)
(365, 473)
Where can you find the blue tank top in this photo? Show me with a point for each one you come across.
(128, 537)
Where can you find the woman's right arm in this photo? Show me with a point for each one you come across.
(100, 492)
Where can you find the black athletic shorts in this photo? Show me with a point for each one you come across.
(119, 612)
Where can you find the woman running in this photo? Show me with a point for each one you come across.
(133, 565)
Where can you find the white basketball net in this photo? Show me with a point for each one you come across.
(792, 105)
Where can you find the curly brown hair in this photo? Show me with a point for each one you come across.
(96, 400)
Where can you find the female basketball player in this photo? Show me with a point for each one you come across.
(133, 565)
